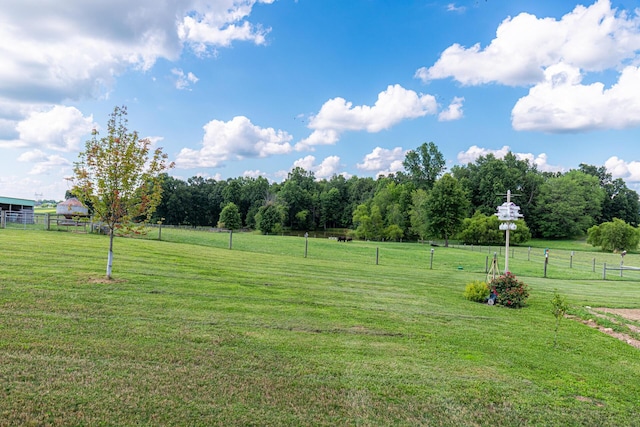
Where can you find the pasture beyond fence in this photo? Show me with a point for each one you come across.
(530, 261)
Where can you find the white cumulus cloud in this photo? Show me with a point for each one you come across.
(593, 38)
(383, 161)
(44, 61)
(338, 115)
(220, 23)
(59, 128)
(561, 103)
(236, 139)
(326, 169)
(453, 112)
(628, 171)
(474, 152)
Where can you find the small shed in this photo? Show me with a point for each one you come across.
(16, 210)
(16, 205)
(72, 207)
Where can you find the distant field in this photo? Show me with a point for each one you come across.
(192, 333)
(41, 210)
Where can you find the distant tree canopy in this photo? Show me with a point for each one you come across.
(424, 165)
(398, 206)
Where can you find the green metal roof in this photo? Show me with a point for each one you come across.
(12, 201)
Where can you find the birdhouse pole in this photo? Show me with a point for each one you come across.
(507, 213)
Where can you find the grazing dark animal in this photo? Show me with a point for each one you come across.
(349, 239)
(342, 239)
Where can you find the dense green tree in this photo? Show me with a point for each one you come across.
(488, 179)
(299, 193)
(568, 205)
(270, 217)
(424, 165)
(418, 213)
(393, 232)
(202, 212)
(446, 206)
(377, 224)
(620, 202)
(368, 222)
(230, 217)
(394, 202)
(331, 208)
(340, 206)
(616, 235)
(483, 229)
(175, 205)
(253, 194)
(362, 222)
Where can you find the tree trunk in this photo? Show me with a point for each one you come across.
(110, 257)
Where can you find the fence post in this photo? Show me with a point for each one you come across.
(621, 263)
(431, 265)
(377, 254)
(230, 239)
(529, 254)
(486, 265)
(571, 260)
(546, 262)
(306, 243)
(604, 271)
(594, 265)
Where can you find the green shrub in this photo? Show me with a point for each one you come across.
(510, 291)
(476, 291)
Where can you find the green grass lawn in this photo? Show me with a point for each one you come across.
(192, 333)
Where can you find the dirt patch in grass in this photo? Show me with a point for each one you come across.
(629, 313)
(626, 321)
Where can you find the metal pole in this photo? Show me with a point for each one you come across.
(571, 260)
(604, 271)
(306, 244)
(431, 265)
(529, 254)
(486, 265)
(594, 265)
(546, 261)
(377, 255)
(506, 245)
(230, 239)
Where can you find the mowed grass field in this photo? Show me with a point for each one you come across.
(192, 333)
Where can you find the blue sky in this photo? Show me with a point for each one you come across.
(235, 88)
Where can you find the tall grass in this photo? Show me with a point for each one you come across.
(192, 333)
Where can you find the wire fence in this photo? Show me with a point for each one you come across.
(599, 264)
(28, 220)
(541, 262)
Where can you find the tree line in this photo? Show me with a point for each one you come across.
(420, 202)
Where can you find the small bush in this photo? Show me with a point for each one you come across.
(510, 291)
(476, 291)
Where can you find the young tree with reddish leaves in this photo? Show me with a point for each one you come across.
(118, 178)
